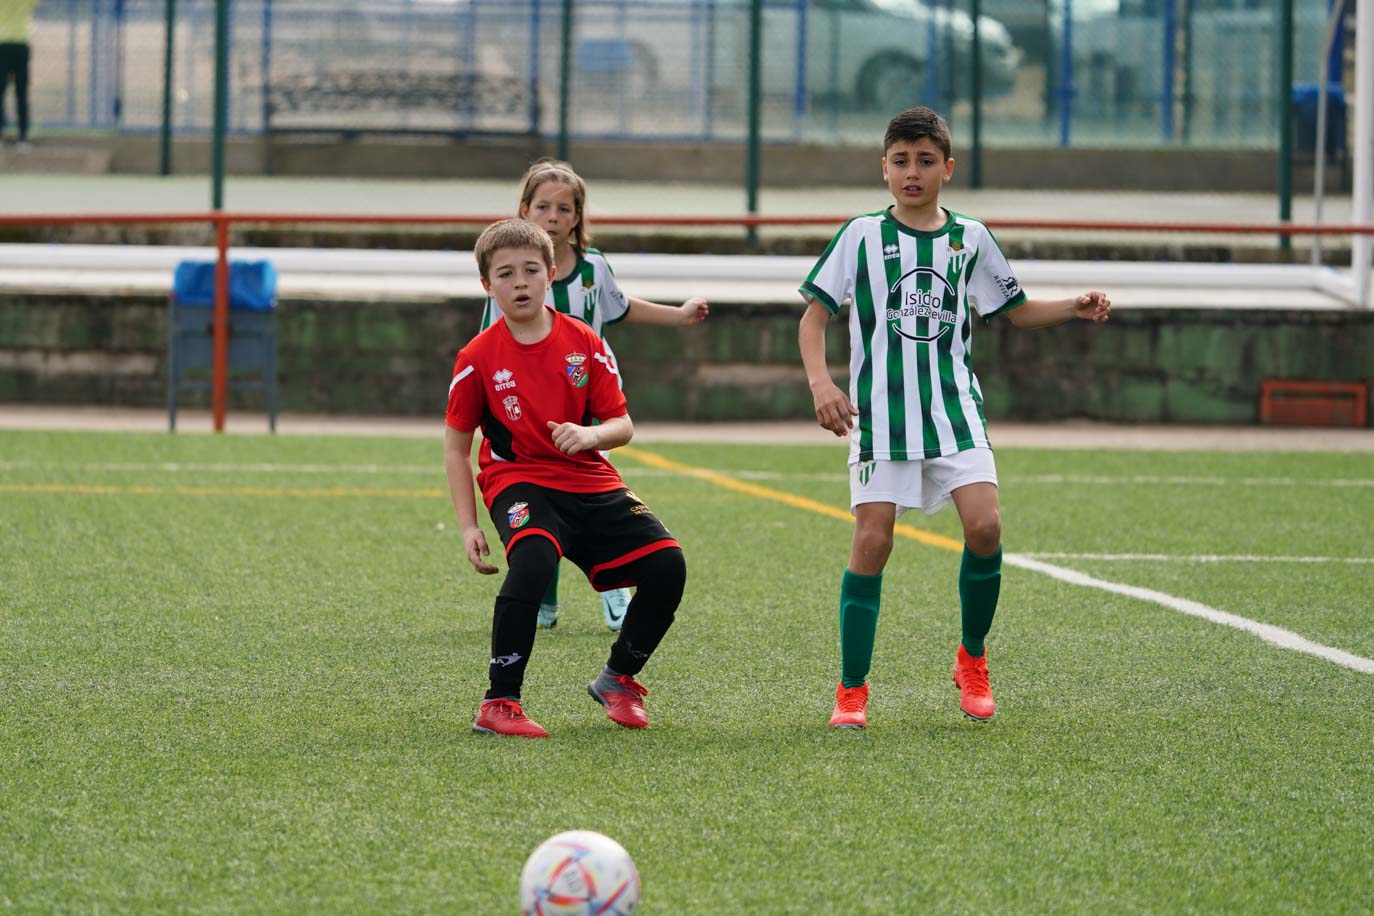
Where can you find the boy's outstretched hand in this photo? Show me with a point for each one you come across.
(475, 543)
(1093, 306)
(833, 409)
(693, 311)
(571, 438)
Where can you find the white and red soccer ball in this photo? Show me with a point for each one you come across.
(579, 871)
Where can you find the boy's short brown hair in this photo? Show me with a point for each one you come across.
(915, 124)
(511, 233)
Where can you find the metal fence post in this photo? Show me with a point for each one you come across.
(1169, 26)
(169, 45)
(1285, 119)
(564, 78)
(751, 170)
(976, 173)
(1066, 75)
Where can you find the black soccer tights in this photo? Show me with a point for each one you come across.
(661, 577)
(530, 565)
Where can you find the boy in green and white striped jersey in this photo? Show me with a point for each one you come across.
(554, 197)
(916, 274)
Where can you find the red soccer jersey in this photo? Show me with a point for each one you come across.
(511, 390)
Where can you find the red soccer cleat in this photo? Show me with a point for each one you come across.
(623, 702)
(505, 717)
(851, 707)
(971, 677)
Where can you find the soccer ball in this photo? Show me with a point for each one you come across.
(579, 871)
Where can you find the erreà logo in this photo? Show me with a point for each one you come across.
(922, 304)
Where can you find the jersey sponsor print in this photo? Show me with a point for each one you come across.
(913, 297)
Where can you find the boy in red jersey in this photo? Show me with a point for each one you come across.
(535, 382)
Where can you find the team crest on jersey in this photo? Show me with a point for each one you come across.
(576, 373)
(930, 303)
(512, 405)
(957, 259)
(518, 515)
(865, 472)
(588, 282)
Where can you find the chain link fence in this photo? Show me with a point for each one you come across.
(1051, 72)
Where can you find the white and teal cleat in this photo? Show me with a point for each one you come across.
(614, 603)
(548, 616)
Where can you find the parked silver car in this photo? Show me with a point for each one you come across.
(882, 55)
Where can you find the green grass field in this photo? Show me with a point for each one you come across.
(238, 673)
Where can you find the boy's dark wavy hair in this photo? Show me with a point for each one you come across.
(916, 123)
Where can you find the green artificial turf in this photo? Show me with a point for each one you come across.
(240, 674)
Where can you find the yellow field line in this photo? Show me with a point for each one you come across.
(214, 491)
(796, 502)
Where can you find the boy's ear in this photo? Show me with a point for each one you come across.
(486, 285)
(949, 168)
(884, 162)
(553, 271)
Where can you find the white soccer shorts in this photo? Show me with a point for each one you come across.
(924, 484)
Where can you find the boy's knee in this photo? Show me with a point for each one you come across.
(873, 538)
(529, 566)
(984, 533)
(666, 569)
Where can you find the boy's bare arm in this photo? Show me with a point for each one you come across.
(1043, 313)
(693, 311)
(608, 434)
(458, 467)
(833, 408)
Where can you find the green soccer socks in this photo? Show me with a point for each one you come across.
(859, 600)
(980, 581)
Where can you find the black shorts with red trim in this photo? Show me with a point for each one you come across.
(600, 532)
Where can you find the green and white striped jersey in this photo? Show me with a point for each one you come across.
(910, 327)
(589, 294)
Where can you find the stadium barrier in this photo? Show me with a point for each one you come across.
(1331, 282)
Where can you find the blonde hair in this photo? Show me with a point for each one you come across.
(543, 171)
(511, 233)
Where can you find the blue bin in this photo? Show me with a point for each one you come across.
(1305, 99)
(252, 331)
(252, 285)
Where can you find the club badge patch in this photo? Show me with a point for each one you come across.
(518, 515)
(576, 373)
(865, 473)
(512, 405)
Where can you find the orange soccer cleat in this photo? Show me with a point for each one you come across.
(505, 717)
(851, 707)
(971, 677)
(622, 696)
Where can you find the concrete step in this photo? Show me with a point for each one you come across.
(52, 158)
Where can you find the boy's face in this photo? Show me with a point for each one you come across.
(915, 172)
(553, 208)
(518, 279)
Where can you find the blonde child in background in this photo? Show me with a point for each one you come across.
(554, 197)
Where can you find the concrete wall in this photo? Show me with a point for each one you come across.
(1176, 365)
(784, 165)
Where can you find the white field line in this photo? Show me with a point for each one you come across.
(818, 477)
(1195, 558)
(1278, 636)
